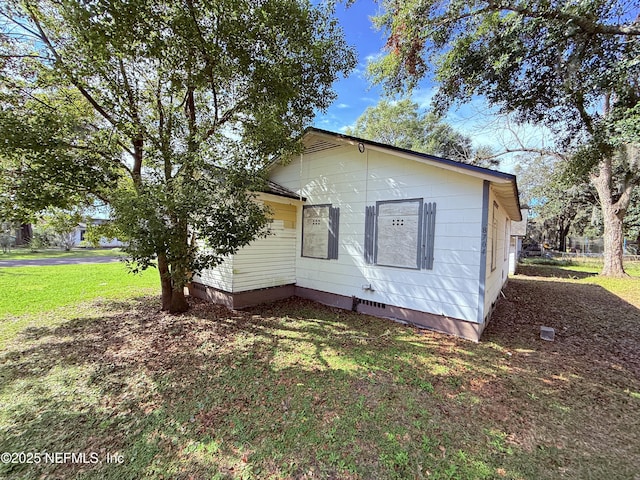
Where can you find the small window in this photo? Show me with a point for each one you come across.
(400, 233)
(320, 231)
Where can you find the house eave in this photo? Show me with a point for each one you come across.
(504, 184)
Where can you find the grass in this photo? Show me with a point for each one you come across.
(298, 390)
(582, 265)
(26, 254)
(587, 270)
(27, 292)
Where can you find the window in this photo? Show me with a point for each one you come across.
(494, 236)
(400, 233)
(320, 231)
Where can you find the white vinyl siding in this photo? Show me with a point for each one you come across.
(353, 181)
(220, 277)
(497, 267)
(266, 262)
(494, 236)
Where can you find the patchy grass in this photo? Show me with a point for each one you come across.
(297, 390)
(583, 266)
(26, 254)
(38, 291)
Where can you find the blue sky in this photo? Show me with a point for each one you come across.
(356, 93)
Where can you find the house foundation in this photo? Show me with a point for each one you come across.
(439, 323)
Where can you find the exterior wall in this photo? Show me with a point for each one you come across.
(220, 278)
(266, 262)
(351, 180)
(241, 300)
(514, 252)
(104, 242)
(439, 323)
(496, 275)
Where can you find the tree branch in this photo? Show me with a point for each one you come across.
(584, 23)
(45, 39)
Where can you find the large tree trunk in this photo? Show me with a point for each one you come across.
(178, 301)
(165, 282)
(613, 244)
(613, 215)
(173, 297)
(562, 235)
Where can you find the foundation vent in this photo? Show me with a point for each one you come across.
(370, 303)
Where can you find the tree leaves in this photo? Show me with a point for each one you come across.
(403, 125)
(178, 106)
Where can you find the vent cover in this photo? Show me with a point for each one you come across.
(320, 145)
(361, 301)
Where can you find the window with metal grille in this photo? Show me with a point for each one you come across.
(320, 227)
(400, 233)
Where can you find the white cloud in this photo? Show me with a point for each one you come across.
(424, 96)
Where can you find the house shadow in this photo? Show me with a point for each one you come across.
(587, 320)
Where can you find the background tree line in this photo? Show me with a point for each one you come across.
(572, 67)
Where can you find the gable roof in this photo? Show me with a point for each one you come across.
(504, 184)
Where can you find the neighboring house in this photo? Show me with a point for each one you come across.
(81, 230)
(518, 234)
(380, 230)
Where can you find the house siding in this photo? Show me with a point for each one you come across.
(220, 278)
(351, 181)
(265, 262)
(496, 278)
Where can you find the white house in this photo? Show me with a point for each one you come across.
(518, 233)
(81, 230)
(381, 230)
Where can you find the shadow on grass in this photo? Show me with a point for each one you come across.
(298, 390)
(587, 319)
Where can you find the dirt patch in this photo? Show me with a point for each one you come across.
(593, 328)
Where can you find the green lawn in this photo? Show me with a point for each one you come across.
(29, 294)
(582, 264)
(296, 390)
(586, 270)
(26, 254)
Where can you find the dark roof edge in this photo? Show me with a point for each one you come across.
(276, 189)
(445, 161)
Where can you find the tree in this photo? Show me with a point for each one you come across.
(403, 125)
(571, 66)
(559, 204)
(174, 106)
(63, 224)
